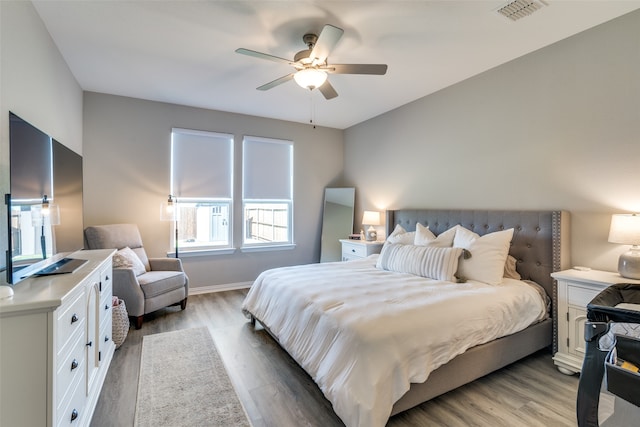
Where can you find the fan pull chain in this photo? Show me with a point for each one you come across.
(312, 108)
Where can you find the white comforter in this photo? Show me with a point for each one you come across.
(365, 334)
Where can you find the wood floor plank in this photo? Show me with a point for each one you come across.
(275, 391)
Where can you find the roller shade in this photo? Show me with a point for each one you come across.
(267, 169)
(202, 164)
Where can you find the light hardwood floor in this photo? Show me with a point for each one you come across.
(277, 392)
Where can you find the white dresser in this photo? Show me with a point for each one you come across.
(575, 290)
(55, 345)
(355, 249)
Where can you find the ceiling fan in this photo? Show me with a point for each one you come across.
(311, 64)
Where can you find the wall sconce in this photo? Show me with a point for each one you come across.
(371, 218)
(625, 229)
(169, 212)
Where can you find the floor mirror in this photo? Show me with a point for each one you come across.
(337, 221)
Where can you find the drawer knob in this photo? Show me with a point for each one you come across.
(353, 250)
(90, 343)
(74, 318)
(106, 278)
(74, 364)
(106, 307)
(74, 415)
(106, 338)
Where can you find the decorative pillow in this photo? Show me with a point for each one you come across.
(424, 237)
(127, 258)
(400, 235)
(488, 255)
(510, 269)
(426, 261)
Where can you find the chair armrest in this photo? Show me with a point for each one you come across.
(165, 264)
(126, 287)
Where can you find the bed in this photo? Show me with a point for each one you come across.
(314, 315)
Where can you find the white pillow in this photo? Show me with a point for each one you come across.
(488, 254)
(426, 261)
(424, 237)
(127, 258)
(510, 271)
(400, 235)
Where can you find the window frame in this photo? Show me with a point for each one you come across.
(245, 245)
(205, 248)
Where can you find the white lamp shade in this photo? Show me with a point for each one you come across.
(49, 215)
(168, 211)
(371, 218)
(625, 229)
(310, 78)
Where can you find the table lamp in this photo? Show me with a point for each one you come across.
(625, 229)
(371, 218)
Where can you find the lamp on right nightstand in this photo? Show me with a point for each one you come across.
(625, 229)
(371, 218)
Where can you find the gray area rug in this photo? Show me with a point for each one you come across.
(183, 382)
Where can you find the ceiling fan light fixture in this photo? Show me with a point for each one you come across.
(310, 78)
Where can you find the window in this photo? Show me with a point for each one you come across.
(267, 192)
(202, 183)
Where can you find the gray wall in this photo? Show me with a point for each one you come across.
(556, 129)
(126, 161)
(36, 84)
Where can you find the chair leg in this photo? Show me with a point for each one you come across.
(137, 321)
(183, 303)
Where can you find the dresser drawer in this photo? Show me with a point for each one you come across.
(72, 412)
(580, 296)
(105, 337)
(71, 318)
(105, 281)
(105, 308)
(70, 368)
(354, 249)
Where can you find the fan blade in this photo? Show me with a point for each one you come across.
(327, 40)
(276, 82)
(327, 90)
(261, 55)
(376, 69)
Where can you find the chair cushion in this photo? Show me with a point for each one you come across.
(154, 283)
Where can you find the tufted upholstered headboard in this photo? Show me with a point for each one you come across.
(540, 241)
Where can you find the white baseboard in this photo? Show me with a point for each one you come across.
(219, 288)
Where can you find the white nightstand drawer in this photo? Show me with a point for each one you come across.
(354, 249)
(577, 295)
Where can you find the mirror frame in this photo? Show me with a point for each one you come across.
(337, 221)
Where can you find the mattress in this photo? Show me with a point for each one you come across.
(365, 334)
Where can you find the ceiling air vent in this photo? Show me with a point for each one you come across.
(520, 8)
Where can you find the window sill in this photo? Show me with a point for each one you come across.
(265, 248)
(203, 252)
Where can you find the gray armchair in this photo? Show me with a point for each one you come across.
(163, 282)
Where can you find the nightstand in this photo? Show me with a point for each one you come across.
(575, 290)
(356, 249)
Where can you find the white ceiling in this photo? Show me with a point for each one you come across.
(182, 52)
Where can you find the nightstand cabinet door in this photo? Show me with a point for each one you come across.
(577, 320)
